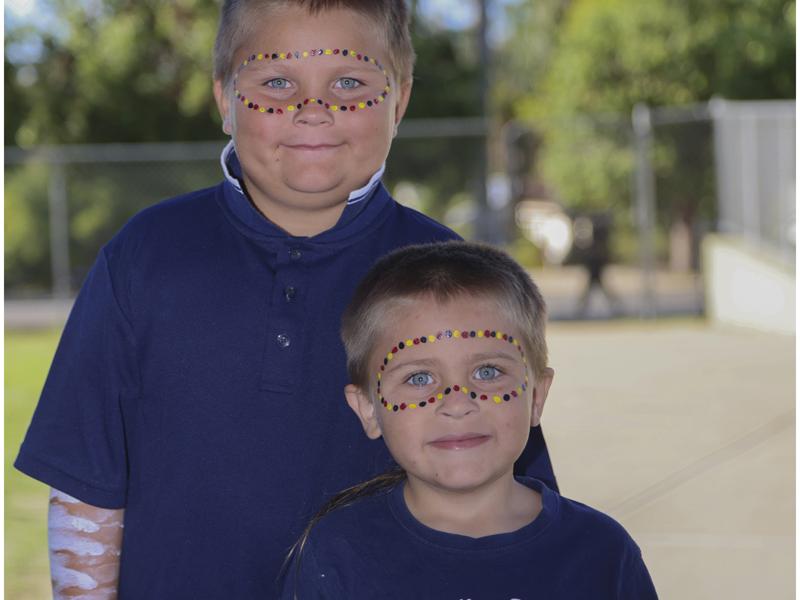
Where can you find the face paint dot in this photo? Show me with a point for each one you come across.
(288, 55)
(395, 408)
(290, 108)
(270, 110)
(306, 101)
(352, 108)
(362, 105)
(262, 110)
(480, 334)
(279, 111)
(431, 338)
(319, 101)
(390, 356)
(456, 333)
(345, 52)
(336, 51)
(409, 342)
(423, 404)
(431, 400)
(358, 56)
(328, 51)
(497, 399)
(423, 339)
(447, 391)
(439, 396)
(255, 106)
(473, 395)
(456, 387)
(506, 397)
(472, 334)
(514, 393)
(416, 341)
(249, 105)
(402, 406)
(401, 345)
(385, 361)
(369, 102)
(484, 397)
(334, 108)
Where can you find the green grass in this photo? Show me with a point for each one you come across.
(27, 358)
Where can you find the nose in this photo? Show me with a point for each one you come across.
(456, 403)
(313, 113)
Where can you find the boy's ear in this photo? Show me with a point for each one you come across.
(223, 105)
(540, 390)
(403, 96)
(364, 408)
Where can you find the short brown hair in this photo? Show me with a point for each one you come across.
(237, 19)
(443, 271)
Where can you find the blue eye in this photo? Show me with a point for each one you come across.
(420, 379)
(348, 83)
(487, 373)
(279, 83)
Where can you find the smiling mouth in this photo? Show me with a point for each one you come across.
(313, 147)
(461, 441)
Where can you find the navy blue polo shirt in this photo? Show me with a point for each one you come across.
(375, 548)
(198, 384)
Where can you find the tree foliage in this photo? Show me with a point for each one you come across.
(609, 55)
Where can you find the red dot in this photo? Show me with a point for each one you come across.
(416, 341)
(358, 56)
(336, 51)
(394, 350)
(305, 101)
(431, 400)
(352, 108)
(403, 406)
(456, 387)
(514, 393)
(484, 397)
(487, 333)
(279, 111)
(505, 336)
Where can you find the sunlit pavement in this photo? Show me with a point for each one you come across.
(685, 434)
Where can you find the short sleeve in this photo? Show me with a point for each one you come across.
(634, 581)
(76, 439)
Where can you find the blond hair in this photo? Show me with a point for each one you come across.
(442, 272)
(239, 17)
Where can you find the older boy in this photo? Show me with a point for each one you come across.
(195, 385)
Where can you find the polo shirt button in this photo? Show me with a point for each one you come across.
(283, 340)
(295, 254)
(290, 292)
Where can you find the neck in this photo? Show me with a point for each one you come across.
(501, 506)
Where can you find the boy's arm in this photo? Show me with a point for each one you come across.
(85, 545)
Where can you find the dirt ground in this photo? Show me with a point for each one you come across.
(685, 433)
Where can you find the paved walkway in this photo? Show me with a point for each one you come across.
(684, 433)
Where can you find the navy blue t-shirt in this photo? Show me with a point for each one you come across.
(198, 384)
(375, 548)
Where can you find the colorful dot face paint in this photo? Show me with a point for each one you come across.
(419, 389)
(271, 82)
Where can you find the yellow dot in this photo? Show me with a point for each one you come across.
(480, 333)
(380, 98)
(260, 57)
(372, 60)
(409, 342)
(390, 356)
(389, 408)
(334, 108)
(439, 396)
(456, 333)
(431, 338)
(261, 109)
(282, 55)
(464, 389)
(379, 376)
(305, 54)
(328, 51)
(499, 335)
(412, 406)
(497, 399)
(362, 105)
(290, 108)
(519, 390)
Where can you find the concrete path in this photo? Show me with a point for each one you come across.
(685, 434)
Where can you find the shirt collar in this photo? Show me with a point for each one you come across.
(232, 169)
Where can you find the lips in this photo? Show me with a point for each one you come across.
(459, 441)
(313, 147)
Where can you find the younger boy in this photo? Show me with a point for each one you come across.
(448, 361)
(197, 383)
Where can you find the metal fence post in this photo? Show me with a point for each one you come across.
(645, 201)
(59, 231)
